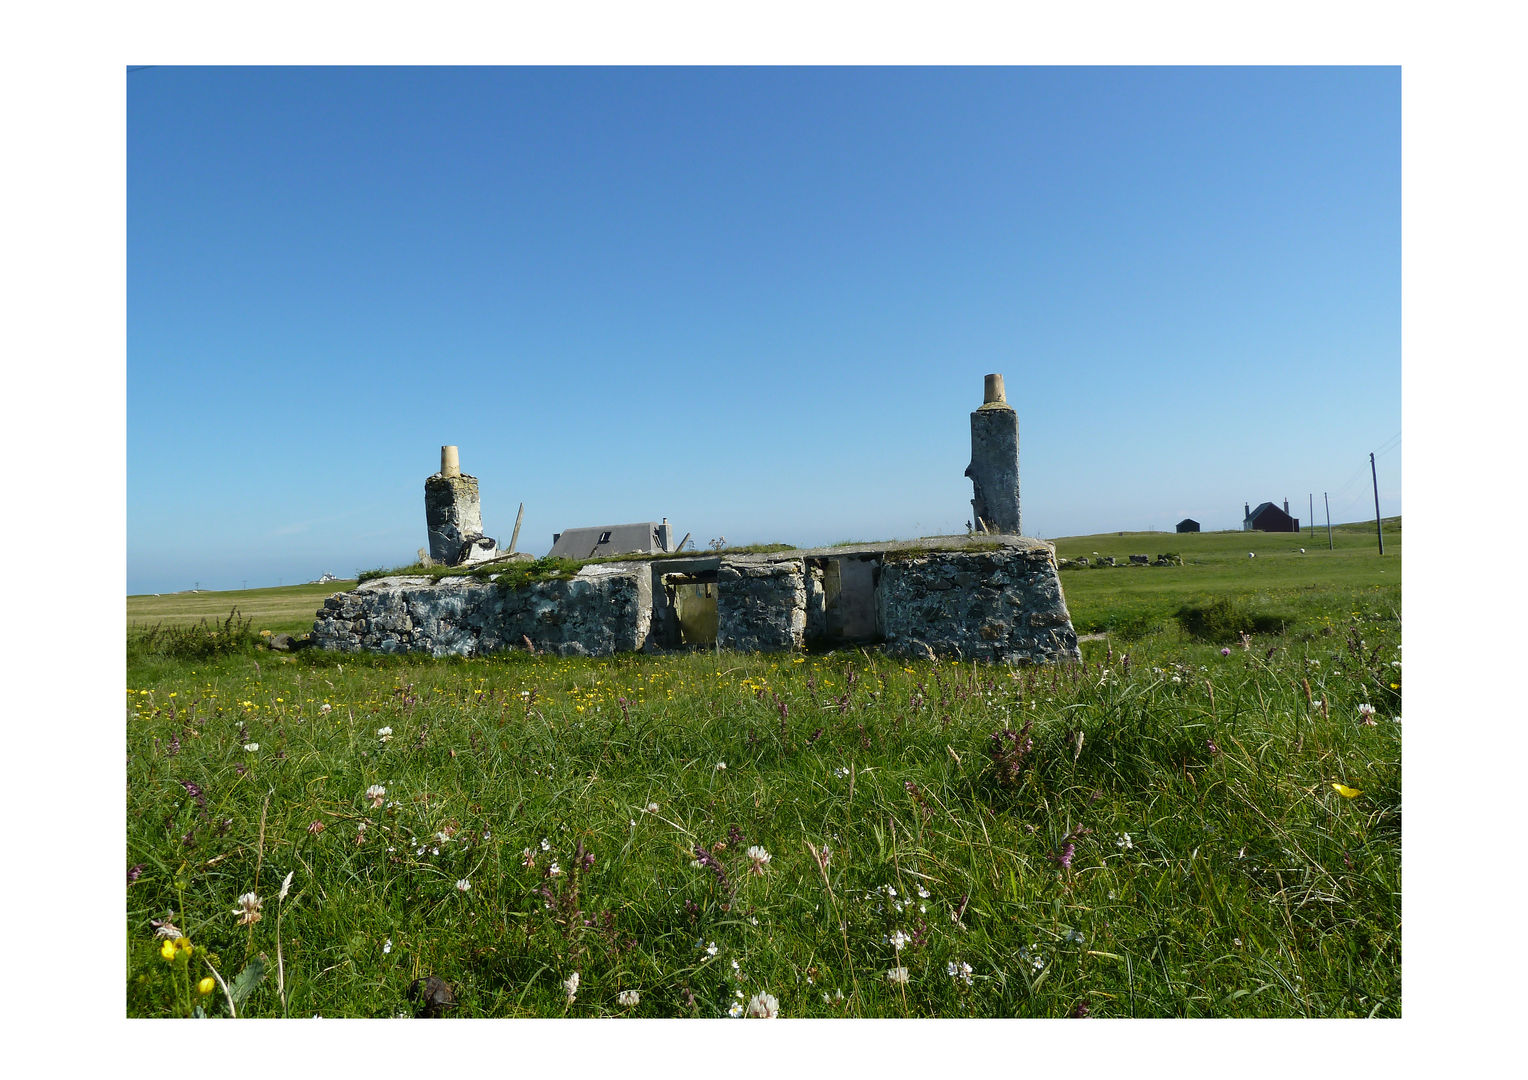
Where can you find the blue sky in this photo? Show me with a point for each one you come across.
(758, 301)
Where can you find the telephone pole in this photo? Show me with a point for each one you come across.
(1328, 502)
(1312, 497)
(1377, 530)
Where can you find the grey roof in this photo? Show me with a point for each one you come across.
(592, 542)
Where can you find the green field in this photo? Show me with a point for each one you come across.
(1176, 827)
(289, 609)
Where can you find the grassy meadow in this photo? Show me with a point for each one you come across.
(1180, 826)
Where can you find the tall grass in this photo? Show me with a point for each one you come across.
(1169, 841)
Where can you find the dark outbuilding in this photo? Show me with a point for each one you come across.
(1269, 518)
(1188, 525)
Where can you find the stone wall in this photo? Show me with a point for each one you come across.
(1003, 605)
(969, 598)
(760, 605)
(603, 610)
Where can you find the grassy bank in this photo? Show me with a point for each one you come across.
(1172, 828)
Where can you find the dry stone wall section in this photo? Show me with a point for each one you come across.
(965, 598)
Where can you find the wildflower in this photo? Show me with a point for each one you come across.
(960, 971)
(167, 950)
(463, 885)
(720, 766)
(652, 808)
(544, 845)
(1367, 713)
(553, 870)
(206, 986)
(897, 975)
(629, 998)
(570, 986)
(710, 948)
(376, 793)
(758, 858)
(385, 734)
(1225, 652)
(1123, 842)
(898, 940)
(135, 872)
(1345, 791)
(387, 946)
(764, 1006)
(248, 910)
(251, 746)
(315, 828)
(325, 707)
(735, 1010)
(1064, 860)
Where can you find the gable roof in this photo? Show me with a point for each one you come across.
(592, 542)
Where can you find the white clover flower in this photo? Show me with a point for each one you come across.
(758, 859)
(570, 986)
(652, 808)
(325, 707)
(376, 793)
(251, 746)
(463, 885)
(629, 998)
(897, 975)
(720, 766)
(763, 1006)
(385, 734)
(248, 910)
(1123, 842)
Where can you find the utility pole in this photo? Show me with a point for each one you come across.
(1312, 519)
(1328, 502)
(1377, 530)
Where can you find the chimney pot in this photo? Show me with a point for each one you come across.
(992, 391)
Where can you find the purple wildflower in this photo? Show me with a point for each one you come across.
(134, 873)
(1064, 860)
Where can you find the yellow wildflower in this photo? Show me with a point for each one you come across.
(207, 985)
(167, 950)
(1345, 791)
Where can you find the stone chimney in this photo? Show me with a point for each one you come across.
(994, 468)
(452, 513)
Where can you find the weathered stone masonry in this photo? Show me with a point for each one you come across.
(996, 599)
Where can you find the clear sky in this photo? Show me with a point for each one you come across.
(757, 301)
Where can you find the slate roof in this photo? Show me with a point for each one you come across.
(600, 540)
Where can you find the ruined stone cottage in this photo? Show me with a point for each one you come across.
(991, 595)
